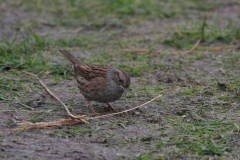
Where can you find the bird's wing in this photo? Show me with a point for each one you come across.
(86, 71)
(96, 71)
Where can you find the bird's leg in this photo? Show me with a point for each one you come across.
(92, 108)
(109, 106)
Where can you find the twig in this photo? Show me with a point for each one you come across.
(61, 122)
(141, 50)
(218, 48)
(52, 94)
(145, 51)
(189, 51)
(44, 125)
(108, 115)
(178, 32)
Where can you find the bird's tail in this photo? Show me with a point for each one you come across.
(70, 57)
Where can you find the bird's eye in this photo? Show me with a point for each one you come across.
(120, 80)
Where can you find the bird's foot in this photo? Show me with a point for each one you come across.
(93, 111)
(110, 107)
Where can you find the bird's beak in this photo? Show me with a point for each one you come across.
(124, 89)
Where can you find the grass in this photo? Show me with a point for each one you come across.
(198, 115)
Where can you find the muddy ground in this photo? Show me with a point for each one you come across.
(197, 116)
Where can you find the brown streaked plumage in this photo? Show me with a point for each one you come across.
(99, 83)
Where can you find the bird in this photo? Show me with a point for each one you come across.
(99, 83)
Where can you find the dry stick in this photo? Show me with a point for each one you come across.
(108, 115)
(145, 51)
(52, 94)
(178, 32)
(222, 48)
(189, 51)
(43, 125)
(61, 122)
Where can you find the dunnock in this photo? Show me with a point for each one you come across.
(99, 83)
